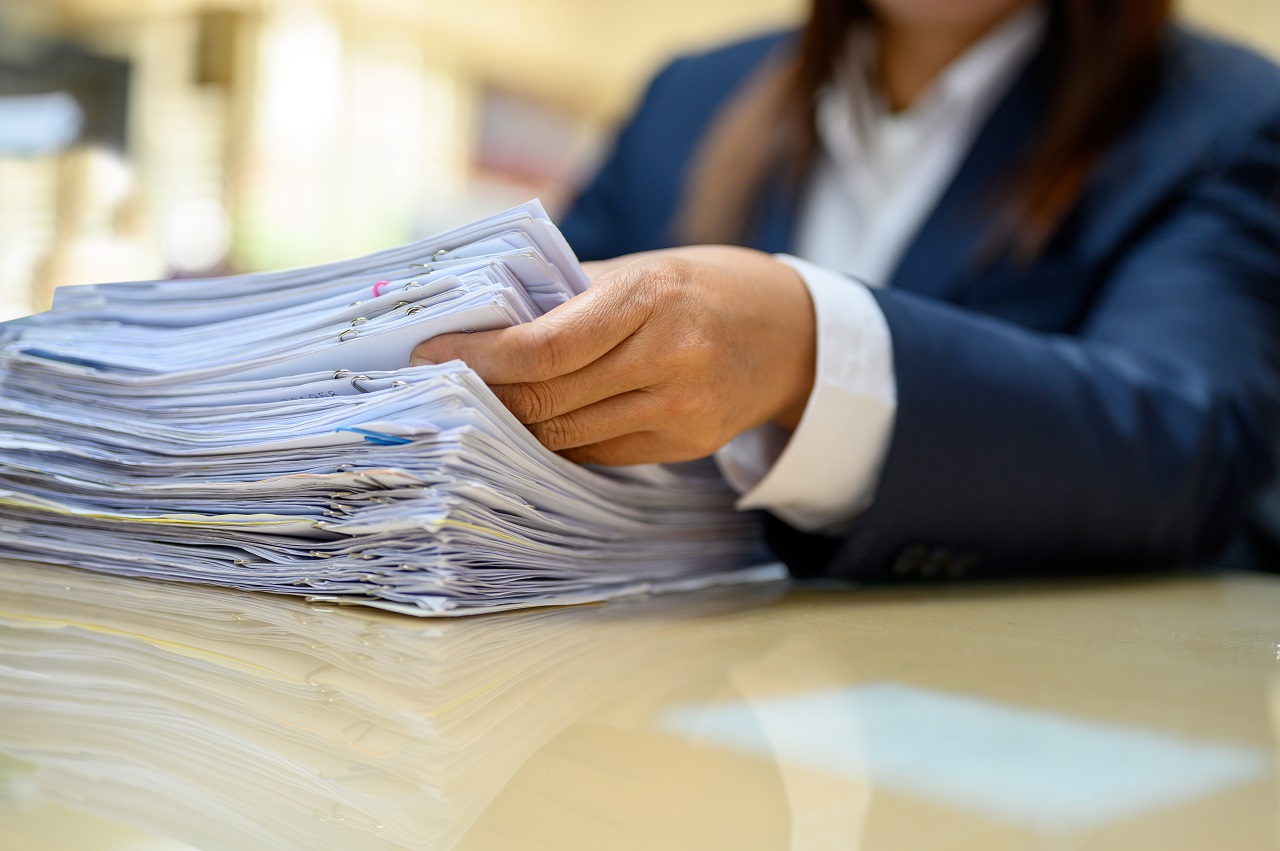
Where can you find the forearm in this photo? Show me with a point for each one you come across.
(1016, 451)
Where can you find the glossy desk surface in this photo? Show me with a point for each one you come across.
(1123, 714)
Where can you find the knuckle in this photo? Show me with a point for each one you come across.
(682, 404)
(530, 403)
(668, 405)
(702, 407)
(558, 433)
(699, 349)
(546, 351)
(660, 280)
(668, 270)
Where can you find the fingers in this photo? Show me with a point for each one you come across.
(644, 447)
(630, 412)
(632, 428)
(560, 342)
(618, 372)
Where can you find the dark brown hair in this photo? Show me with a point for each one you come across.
(1103, 58)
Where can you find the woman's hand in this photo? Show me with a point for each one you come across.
(667, 357)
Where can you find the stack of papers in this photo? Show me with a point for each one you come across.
(262, 432)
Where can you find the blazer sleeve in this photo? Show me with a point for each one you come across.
(1137, 442)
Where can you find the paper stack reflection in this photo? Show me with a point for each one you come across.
(233, 720)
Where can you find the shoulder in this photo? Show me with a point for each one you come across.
(1209, 62)
(1216, 107)
(1221, 86)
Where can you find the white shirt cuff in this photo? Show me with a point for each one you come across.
(825, 473)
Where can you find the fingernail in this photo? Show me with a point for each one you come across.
(419, 360)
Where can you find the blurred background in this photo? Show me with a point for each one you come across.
(152, 138)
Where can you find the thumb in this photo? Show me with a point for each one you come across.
(489, 353)
(565, 339)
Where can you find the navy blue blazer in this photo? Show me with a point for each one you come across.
(1110, 405)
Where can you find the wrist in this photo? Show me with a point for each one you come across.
(802, 362)
(790, 416)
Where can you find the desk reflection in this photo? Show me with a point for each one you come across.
(1128, 714)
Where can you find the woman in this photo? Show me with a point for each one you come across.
(1041, 328)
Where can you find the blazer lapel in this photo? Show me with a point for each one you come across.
(944, 255)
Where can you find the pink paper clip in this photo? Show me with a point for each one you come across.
(377, 288)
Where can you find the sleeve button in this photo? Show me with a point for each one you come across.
(964, 563)
(939, 561)
(911, 560)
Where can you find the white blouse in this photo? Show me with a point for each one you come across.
(878, 176)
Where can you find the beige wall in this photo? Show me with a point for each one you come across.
(351, 124)
(382, 98)
(591, 54)
(1255, 22)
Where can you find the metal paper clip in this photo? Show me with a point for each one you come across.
(342, 338)
(372, 481)
(355, 382)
